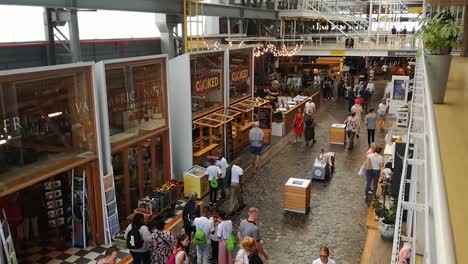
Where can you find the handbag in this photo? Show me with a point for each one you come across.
(362, 170)
(368, 164)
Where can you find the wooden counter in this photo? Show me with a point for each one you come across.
(288, 117)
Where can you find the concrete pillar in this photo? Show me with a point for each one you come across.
(464, 48)
(74, 36)
(166, 25)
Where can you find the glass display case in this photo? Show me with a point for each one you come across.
(208, 137)
(240, 74)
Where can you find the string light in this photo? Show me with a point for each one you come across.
(271, 48)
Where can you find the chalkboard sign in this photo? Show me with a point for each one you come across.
(264, 117)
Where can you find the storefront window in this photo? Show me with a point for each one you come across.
(118, 167)
(240, 75)
(133, 175)
(147, 166)
(160, 162)
(136, 98)
(207, 71)
(46, 119)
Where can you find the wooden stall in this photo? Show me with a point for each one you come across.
(137, 103)
(47, 142)
(288, 116)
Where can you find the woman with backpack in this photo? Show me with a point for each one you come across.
(161, 244)
(226, 239)
(179, 256)
(137, 236)
(309, 130)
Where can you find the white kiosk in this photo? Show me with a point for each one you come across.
(398, 92)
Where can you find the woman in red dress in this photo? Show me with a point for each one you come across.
(298, 124)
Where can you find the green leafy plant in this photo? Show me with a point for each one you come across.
(277, 116)
(440, 33)
(388, 215)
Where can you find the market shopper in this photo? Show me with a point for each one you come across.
(352, 127)
(256, 138)
(248, 247)
(298, 124)
(161, 244)
(222, 164)
(358, 110)
(214, 235)
(137, 236)
(382, 114)
(309, 127)
(110, 257)
(179, 255)
(374, 163)
(224, 231)
(214, 174)
(236, 201)
(310, 107)
(370, 121)
(190, 212)
(206, 225)
(248, 228)
(324, 256)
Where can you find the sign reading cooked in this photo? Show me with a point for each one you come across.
(205, 84)
(240, 75)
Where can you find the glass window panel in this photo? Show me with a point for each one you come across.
(207, 71)
(46, 119)
(161, 163)
(136, 96)
(147, 167)
(240, 76)
(133, 175)
(117, 165)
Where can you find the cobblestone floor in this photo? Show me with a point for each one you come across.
(338, 213)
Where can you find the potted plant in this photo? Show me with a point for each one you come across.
(440, 35)
(387, 218)
(277, 116)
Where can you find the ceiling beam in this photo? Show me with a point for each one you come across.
(150, 6)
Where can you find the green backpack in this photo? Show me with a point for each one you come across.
(214, 183)
(231, 243)
(200, 238)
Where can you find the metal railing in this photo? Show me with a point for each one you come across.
(428, 227)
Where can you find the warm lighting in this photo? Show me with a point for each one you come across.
(55, 114)
(3, 141)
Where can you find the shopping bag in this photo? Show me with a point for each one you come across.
(362, 170)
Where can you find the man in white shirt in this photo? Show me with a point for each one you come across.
(324, 254)
(202, 222)
(236, 201)
(310, 105)
(371, 87)
(375, 160)
(222, 164)
(213, 172)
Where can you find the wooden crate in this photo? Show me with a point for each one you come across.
(297, 195)
(338, 134)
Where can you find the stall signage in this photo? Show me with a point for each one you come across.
(133, 100)
(402, 53)
(11, 124)
(241, 75)
(205, 84)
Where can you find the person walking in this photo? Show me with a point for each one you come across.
(214, 173)
(374, 163)
(137, 236)
(203, 223)
(236, 201)
(370, 121)
(248, 247)
(224, 231)
(358, 110)
(310, 107)
(324, 256)
(309, 128)
(190, 212)
(222, 164)
(352, 126)
(161, 244)
(298, 124)
(382, 114)
(351, 98)
(248, 228)
(256, 138)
